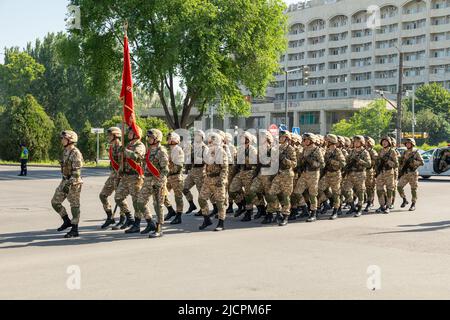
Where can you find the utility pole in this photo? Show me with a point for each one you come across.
(413, 111)
(305, 77)
(399, 98)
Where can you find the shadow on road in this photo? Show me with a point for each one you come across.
(45, 174)
(422, 227)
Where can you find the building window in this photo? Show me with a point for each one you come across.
(309, 118)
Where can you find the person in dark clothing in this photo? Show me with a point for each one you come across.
(24, 153)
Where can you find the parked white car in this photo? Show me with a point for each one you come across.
(436, 163)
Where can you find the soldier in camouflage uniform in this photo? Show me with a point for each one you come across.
(70, 186)
(229, 143)
(175, 178)
(283, 183)
(240, 185)
(409, 162)
(214, 185)
(295, 199)
(387, 161)
(330, 183)
(196, 169)
(131, 179)
(370, 173)
(262, 182)
(394, 144)
(311, 162)
(114, 135)
(358, 161)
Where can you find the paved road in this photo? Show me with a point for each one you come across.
(326, 259)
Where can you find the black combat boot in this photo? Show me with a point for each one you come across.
(129, 222)
(268, 218)
(247, 216)
(404, 203)
(230, 207)
(157, 233)
(352, 208)
(339, 211)
(177, 219)
(215, 212)
(109, 220)
(278, 217)
(334, 215)
(198, 213)
(220, 226)
(312, 217)
(284, 220)
(366, 209)
(261, 212)
(386, 210)
(358, 212)
(136, 227)
(325, 207)
(66, 223)
(206, 222)
(73, 233)
(294, 214)
(305, 212)
(150, 226)
(171, 213)
(120, 223)
(240, 210)
(413, 206)
(380, 209)
(192, 207)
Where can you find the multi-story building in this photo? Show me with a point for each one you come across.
(352, 49)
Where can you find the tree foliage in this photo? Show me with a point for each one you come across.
(25, 121)
(214, 47)
(373, 120)
(431, 96)
(60, 123)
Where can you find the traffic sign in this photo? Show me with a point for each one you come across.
(273, 129)
(296, 130)
(97, 130)
(282, 127)
(417, 135)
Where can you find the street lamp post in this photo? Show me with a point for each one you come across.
(412, 93)
(286, 72)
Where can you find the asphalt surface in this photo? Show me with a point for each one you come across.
(402, 255)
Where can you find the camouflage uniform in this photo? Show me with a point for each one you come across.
(196, 173)
(111, 184)
(240, 185)
(130, 182)
(387, 161)
(283, 183)
(370, 177)
(311, 162)
(295, 199)
(214, 185)
(413, 160)
(330, 183)
(358, 161)
(175, 178)
(70, 186)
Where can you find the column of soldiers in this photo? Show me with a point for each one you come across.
(294, 177)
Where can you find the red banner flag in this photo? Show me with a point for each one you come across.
(126, 95)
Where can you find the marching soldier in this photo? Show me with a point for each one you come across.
(309, 169)
(370, 173)
(70, 186)
(331, 180)
(409, 162)
(175, 178)
(156, 171)
(262, 182)
(114, 135)
(283, 183)
(215, 182)
(358, 161)
(394, 144)
(387, 161)
(240, 185)
(196, 173)
(228, 141)
(295, 199)
(131, 179)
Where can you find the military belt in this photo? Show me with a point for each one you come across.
(213, 175)
(199, 165)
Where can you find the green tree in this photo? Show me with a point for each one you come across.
(373, 120)
(214, 47)
(60, 123)
(18, 74)
(87, 142)
(431, 96)
(436, 126)
(24, 120)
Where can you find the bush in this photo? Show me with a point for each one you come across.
(25, 121)
(61, 123)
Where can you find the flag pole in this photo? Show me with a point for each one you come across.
(125, 28)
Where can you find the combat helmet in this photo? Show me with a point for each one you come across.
(70, 135)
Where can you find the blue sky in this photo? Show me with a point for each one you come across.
(22, 21)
